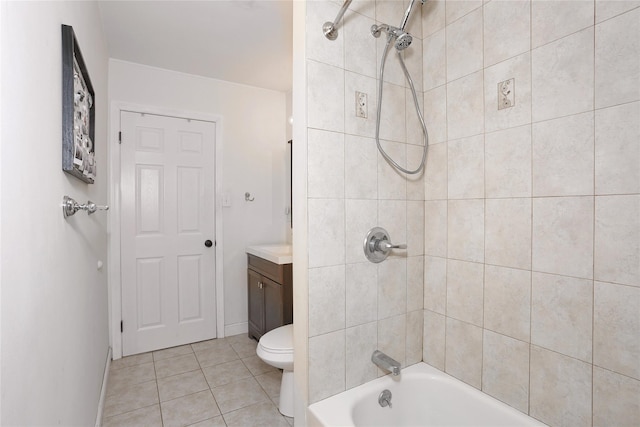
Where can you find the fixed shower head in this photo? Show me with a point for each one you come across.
(403, 40)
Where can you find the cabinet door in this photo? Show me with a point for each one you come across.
(256, 304)
(272, 304)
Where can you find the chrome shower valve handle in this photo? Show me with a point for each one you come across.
(377, 245)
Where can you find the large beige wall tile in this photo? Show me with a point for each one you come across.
(392, 114)
(465, 230)
(361, 342)
(466, 168)
(455, 9)
(415, 283)
(435, 114)
(359, 45)
(435, 182)
(560, 389)
(361, 293)
(551, 20)
(392, 288)
(326, 232)
(435, 228)
(435, 284)
(506, 30)
(465, 282)
(464, 46)
(519, 69)
(616, 54)
(325, 82)
(361, 168)
(508, 382)
(562, 76)
(392, 183)
(415, 323)
(318, 47)
(508, 232)
(563, 160)
(326, 299)
(617, 239)
(433, 17)
(507, 301)
(563, 235)
(326, 365)
(617, 150)
(325, 168)
(562, 314)
(415, 228)
(508, 162)
(464, 352)
(616, 399)
(465, 106)
(616, 328)
(415, 182)
(433, 349)
(434, 60)
(607, 9)
(359, 125)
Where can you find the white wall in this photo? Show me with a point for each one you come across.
(54, 300)
(254, 154)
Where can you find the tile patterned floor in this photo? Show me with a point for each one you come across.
(212, 383)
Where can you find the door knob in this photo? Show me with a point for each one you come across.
(208, 243)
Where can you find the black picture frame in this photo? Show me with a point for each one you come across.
(78, 112)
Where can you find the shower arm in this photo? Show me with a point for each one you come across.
(408, 13)
(329, 28)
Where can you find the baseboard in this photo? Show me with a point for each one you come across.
(103, 391)
(236, 329)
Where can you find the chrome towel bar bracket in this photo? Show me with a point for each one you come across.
(70, 207)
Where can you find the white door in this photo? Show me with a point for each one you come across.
(167, 225)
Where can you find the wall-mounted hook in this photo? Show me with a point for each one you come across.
(248, 198)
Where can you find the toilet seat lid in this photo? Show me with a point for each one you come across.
(279, 340)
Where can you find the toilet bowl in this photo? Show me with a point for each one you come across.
(276, 349)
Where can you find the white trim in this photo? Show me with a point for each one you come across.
(114, 291)
(236, 329)
(103, 390)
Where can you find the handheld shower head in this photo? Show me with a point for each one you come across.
(403, 40)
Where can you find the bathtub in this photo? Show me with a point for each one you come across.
(421, 396)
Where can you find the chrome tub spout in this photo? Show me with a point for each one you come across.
(385, 362)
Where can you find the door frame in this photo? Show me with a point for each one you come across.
(114, 289)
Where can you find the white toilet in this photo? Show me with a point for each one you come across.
(276, 349)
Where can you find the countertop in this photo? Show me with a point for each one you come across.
(280, 253)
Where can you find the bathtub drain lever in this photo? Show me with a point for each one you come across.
(385, 398)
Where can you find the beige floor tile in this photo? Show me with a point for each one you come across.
(172, 352)
(148, 417)
(189, 409)
(121, 379)
(211, 422)
(176, 365)
(261, 414)
(239, 394)
(214, 356)
(226, 373)
(270, 383)
(181, 385)
(134, 397)
(209, 344)
(128, 361)
(243, 345)
(257, 366)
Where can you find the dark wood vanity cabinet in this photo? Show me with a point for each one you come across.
(270, 295)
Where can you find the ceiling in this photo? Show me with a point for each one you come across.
(242, 41)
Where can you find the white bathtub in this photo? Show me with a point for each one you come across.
(422, 396)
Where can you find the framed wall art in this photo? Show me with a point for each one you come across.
(78, 112)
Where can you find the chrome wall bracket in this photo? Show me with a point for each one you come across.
(70, 207)
(377, 245)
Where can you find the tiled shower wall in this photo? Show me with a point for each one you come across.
(355, 306)
(532, 212)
